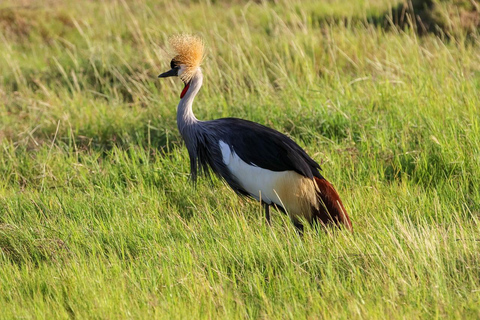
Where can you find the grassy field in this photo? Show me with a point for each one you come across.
(97, 215)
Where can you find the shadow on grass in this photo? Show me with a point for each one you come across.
(158, 139)
(416, 14)
(444, 18)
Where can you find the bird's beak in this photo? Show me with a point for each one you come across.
(170, 73)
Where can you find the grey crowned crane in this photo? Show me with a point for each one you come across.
(255, 161)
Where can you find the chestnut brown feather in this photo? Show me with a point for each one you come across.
(331, 209)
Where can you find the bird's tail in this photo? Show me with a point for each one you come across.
(331, 209)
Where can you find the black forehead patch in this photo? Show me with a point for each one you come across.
(174, 64)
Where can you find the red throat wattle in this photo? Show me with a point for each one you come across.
(185, 89)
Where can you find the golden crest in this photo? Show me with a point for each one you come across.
(189, 50)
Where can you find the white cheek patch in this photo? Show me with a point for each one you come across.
(181, 70)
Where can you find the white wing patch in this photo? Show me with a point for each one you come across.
(226, 152)
(287, 189)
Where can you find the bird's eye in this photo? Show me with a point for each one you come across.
(173, 64)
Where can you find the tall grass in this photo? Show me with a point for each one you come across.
(97, 216)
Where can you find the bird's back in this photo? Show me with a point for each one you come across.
(263, 147)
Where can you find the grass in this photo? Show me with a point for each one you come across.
(98, 219)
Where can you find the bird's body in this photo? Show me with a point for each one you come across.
(255, 161)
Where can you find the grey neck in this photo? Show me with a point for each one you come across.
(185, 117)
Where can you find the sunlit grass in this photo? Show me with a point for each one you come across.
(97, 215)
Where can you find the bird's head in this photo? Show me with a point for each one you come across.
(189, 51)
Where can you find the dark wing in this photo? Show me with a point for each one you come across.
(264, 147)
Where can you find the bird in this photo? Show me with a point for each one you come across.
(254, 160)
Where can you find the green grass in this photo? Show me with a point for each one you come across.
(97, 215)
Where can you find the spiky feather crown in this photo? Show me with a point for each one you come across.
(189, 51)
